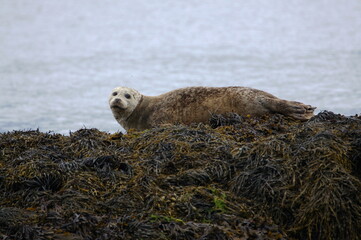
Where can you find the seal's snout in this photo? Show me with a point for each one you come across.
(116, 102)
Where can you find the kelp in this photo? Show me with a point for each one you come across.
(238, 177)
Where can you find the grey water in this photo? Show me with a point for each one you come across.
(59, 60)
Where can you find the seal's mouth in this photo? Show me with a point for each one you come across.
(116, 107)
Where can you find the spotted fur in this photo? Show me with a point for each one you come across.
(196, 104)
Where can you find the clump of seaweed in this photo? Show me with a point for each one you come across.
(267, 177)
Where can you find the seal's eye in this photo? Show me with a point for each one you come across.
(115, 93)
(127, 95)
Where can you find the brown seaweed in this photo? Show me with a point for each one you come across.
(239, 177)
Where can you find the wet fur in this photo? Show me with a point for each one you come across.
(196, 104)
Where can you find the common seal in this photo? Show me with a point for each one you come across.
(196, 104)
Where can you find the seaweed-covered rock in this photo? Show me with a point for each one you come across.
(237, 178)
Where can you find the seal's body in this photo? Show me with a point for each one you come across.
(196, 104)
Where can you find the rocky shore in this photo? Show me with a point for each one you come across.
(234, 178)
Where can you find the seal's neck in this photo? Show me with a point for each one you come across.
(136, 109)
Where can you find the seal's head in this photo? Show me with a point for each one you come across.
(123, 101)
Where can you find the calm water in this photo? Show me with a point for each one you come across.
(59, 60)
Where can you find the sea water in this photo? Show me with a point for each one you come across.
(60, 60)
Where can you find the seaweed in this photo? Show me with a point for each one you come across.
(238, 177)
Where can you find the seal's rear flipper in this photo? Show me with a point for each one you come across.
(293, 109)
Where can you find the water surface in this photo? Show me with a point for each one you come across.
(59, 60)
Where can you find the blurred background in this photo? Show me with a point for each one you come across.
(60, 60)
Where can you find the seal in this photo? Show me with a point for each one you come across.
(196, 104)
